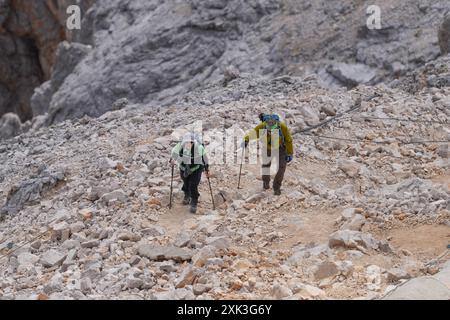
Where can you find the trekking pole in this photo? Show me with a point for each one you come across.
(171, 187)
(240, 170)
(210, 190)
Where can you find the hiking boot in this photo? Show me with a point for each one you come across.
(266, 186)
(277, 192)
(193, 209)
(186, 200)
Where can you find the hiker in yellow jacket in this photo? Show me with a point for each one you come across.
(281, 148)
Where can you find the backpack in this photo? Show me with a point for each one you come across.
(266, 117)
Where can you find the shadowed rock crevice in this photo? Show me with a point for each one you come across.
(30, 32)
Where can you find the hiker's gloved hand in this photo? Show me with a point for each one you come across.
(172, 162)
(289, 159)
(208, 174)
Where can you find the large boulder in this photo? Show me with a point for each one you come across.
(10, 126)
(423, 288)
(350, 239)
(352, 75)
(30, 191)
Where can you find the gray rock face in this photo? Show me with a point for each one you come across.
(444, 36)
(30, 32)
(41, 99)
(151, 51)
(68, 55)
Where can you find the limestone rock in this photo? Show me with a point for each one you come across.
(352, 240)
(187, 277)
(325, 270)
(423, 288)
(350, 168)
(52, 258)
(352, 75)
(444, 36)
(280, 292)
(160, 253)
(10, 126)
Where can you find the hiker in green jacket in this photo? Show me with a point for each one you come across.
(190, 155)
(272, 126)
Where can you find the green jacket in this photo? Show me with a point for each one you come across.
(285, 137)
(191, 160)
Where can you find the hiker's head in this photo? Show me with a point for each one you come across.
(189, 139)
(272, 120)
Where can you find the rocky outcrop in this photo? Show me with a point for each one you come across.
(30, 32)
(68, 55)
(435, 74)
(151, 52)
(444, 36)
(10, 125)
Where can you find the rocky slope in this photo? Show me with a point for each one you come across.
(365, 206)
(153, 51)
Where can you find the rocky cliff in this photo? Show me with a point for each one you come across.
(30, 32)
(152, 51)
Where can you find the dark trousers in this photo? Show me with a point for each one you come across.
(282, 164)
(190, 185)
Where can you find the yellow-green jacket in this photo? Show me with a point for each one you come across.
(191, 160)
(285, 137)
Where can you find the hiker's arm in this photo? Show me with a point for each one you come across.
(205, 160)
(175, 155)
(254, 134)
(288, 141)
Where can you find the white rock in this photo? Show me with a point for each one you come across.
(134, 283)
(27, 259)
(200, 258)
(86, 285)
(325, 270)
(397, 274)
(117, 195)
(353, 240)
(106, 164)
(349, 167)
(423, 288)
(77, 227)
(279, 292)
(52, 258)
